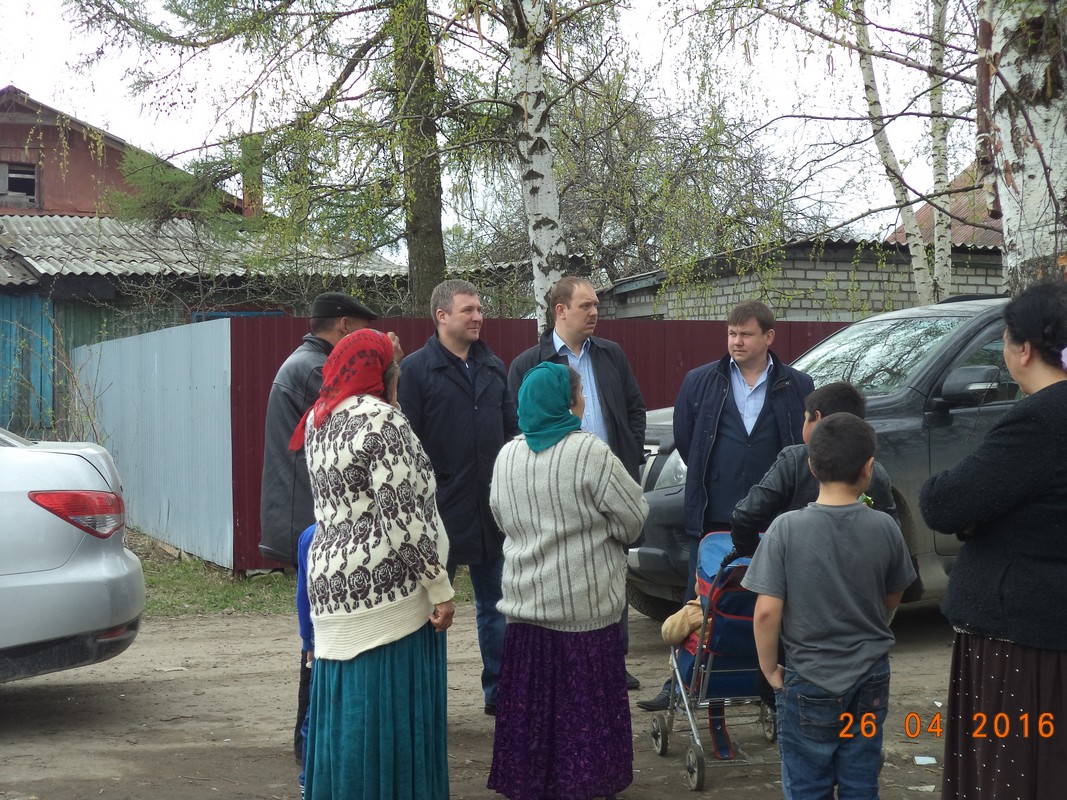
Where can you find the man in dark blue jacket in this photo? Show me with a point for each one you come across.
(731, 418)
(454, 392)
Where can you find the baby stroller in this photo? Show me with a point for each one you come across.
(716, 667)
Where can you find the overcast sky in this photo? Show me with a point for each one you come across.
(41, 57)
(42, 54)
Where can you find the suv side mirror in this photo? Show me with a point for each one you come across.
(971, 384)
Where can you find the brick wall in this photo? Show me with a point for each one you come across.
(840, 283)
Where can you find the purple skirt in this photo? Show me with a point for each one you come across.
(562, 715)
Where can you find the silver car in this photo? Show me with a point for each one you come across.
(71, 593)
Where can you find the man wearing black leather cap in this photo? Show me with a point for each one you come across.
(285, 503)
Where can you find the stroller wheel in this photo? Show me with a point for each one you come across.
(660, 734)
(694, 767)
(768, 719)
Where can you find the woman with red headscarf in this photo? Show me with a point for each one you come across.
(378, 588)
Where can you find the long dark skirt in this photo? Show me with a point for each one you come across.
(562, 715)
(379, 723)
(1006, 724)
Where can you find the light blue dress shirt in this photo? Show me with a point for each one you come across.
(593, 418)
(749, 401)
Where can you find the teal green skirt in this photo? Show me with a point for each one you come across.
(379, 723)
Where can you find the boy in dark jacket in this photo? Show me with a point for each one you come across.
(789, 484)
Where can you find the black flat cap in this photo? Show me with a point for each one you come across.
(339, 304)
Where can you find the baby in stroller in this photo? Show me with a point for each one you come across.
(714, 649)
(714, 664)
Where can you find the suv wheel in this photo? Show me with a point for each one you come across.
(651, 606)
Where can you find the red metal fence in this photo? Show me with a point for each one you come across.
(660, 352)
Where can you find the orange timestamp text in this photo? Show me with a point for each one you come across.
(983, 726)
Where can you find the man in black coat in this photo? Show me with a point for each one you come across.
(614, 407)
(285, 503)
(620, 407)
(453, 391)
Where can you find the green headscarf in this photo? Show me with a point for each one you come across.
(545, 406)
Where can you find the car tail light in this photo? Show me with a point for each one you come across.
(113, 633)
(98, 513)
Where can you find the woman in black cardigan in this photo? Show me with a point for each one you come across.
(1006, 725)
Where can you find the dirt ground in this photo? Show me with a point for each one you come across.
(203, 708)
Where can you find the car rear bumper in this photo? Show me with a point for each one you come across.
(39, 658)
(82, 598)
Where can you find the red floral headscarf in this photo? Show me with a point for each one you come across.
(356, 366)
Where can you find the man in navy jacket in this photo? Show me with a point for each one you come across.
(454, 392)
(731, 419)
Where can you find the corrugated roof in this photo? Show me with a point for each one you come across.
(53, 245)
(971, 225)
(366, 264)
(44, 245)
(13, 273)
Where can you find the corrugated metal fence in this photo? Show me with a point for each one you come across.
(161, 404)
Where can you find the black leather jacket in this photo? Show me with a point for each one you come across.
(787, 486)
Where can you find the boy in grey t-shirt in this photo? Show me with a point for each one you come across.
(826, 576)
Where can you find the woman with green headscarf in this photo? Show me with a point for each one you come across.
(568, 510)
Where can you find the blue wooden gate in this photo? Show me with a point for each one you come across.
(26, 371)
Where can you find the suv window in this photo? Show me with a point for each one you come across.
(988, 351)
(880, 356)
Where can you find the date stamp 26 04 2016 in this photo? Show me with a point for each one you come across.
(983, 726)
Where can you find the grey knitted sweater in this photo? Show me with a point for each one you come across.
(568, 514)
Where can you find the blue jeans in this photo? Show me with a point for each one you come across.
(486, 579)
(817, 750)
(305, 724)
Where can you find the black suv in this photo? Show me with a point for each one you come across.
(935, 383)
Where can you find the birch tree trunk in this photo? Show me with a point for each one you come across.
(1028, 136)
(942, 223)
(925, 286)
(528, 27)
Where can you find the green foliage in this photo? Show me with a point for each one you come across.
(162, 192)
(334, 121)
(361, 114)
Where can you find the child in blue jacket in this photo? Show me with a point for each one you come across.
(307, 631)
